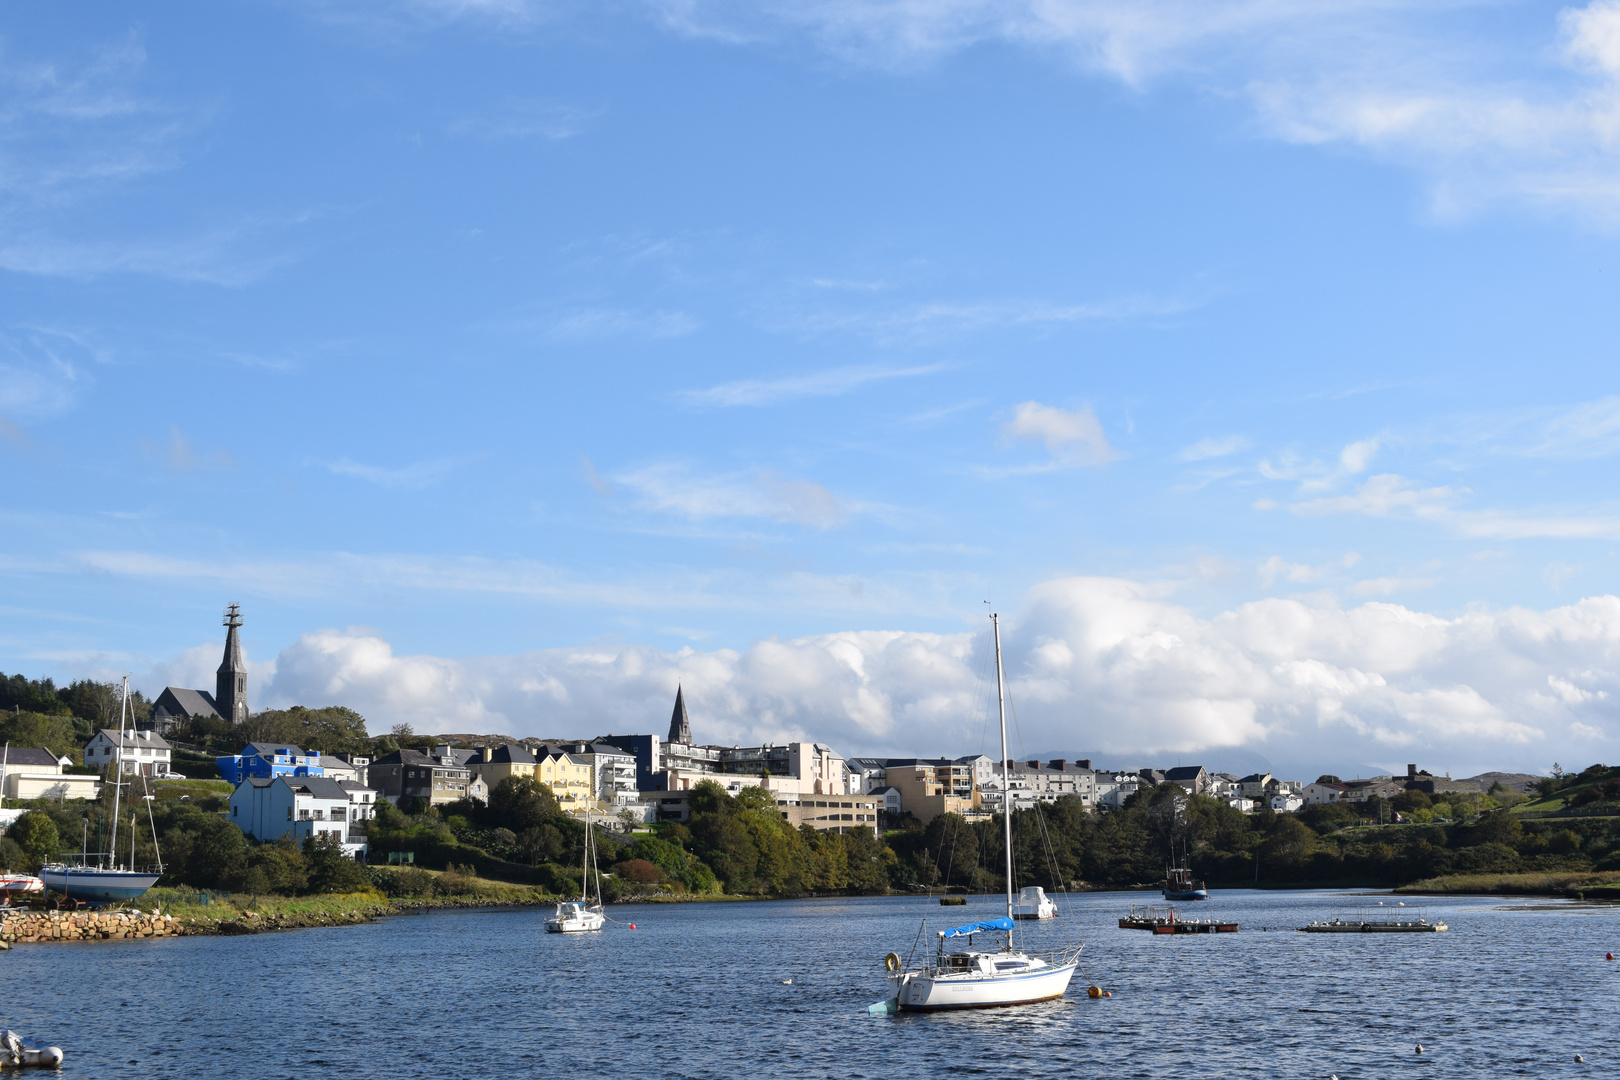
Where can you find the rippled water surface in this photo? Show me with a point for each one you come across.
(1515, 988)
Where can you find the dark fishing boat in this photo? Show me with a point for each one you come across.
(1179, 883)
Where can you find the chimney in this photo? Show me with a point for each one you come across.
(1060, 764)
(1411, 772)
(489, 754)
(1034, 764)
(442, 750)
(1084, 763)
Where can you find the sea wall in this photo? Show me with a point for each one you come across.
(35, 926)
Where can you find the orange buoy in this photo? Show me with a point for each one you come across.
(1609, 957)
(632, 926)
(1108, 993)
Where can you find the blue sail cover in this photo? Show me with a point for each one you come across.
(975, 927)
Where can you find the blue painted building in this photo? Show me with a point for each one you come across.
(267, 761)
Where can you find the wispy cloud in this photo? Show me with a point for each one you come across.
(1414, 82)
(527, 120)
(675, 489)
(1392, 495)
(816, 384)
(179, 455)
(418, 475)
(43, 372)
(934, 320)
(1304, 573)
(1204, 449)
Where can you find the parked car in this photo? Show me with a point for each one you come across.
(171, 776)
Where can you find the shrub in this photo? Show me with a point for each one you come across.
(639, 871)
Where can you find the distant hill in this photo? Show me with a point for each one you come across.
(1518, 781)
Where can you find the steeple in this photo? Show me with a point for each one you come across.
(680, 728)
(230, 681)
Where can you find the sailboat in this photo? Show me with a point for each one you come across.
(970, 978)
(106, 881)
(581, 916)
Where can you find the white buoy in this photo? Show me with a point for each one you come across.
(1419, 1049)
(787, 982)
(1579, 1058)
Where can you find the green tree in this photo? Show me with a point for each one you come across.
(329, 870)
(519, 803)
(36, 834)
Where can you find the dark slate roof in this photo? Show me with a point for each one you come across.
(405, 756)
(179, 701)
(118, 738)
(513, 754)
(864, 763)
(1184, 772)
(353, 785)
(1255, 778)
(27, 756)
(272, 749)
(319, 786)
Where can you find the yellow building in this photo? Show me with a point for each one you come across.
(931, 788)
(495, 763)
(572, 782)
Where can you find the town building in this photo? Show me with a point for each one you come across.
(492, 764)
(33, 772)
(839, 814)
(931, 787)
(268, 808)
(266, 760)
(228, 701)
(1288, 801)
(866, 775)
(1223, 785)
(676, 764)
(1320, 793)
(1113, 788)
(570, 781)
(1194, 779)
(1057, 778)
(1256, 785)
(350, 767)
(141, 753)
(613, 771)
(435, 778)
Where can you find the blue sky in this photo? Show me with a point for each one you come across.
(510, 361)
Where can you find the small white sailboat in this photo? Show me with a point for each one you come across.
(581, 916)
(105, 881)
(974, 979)
(1033, 903)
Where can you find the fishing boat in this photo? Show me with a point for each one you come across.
(103, 881)
(972, 978)
(1179, 883)
(581, 916)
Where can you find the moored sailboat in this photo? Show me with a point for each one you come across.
(581, 916)
(971, 978)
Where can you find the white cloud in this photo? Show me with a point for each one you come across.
(675, 489)
(1304, 573)
(1389, 586)
(1390, 495)
(1589, 430)
(419, 475)
(1425, 85)
(1094, 664)
(1072, 437)
(818, 384)
(1204, 449)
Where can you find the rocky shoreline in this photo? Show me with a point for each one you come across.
(31, 927)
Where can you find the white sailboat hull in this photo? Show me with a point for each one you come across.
(575, 918)
(97, 885)
(925, 992)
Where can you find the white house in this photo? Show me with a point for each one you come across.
(613, 773)
(141, 753)
(1319, 793)
(268, 808)
(1287, 801)
(28, 772)
(1240, 802)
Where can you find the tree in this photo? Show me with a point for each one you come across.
(519, 803)
(1328, 778)
(330, 870)
(333, 730)
(36, 834)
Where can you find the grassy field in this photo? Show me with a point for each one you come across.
(1562, 884)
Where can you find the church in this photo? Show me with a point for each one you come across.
(228, 701)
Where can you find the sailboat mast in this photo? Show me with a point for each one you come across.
(1006, 765)
(118, 772)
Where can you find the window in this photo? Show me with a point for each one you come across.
(233, 811)
(289, 813)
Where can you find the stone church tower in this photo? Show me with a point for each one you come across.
(680, 728)
(230, 681)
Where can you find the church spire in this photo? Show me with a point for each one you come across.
(230, 681)
(680, 728)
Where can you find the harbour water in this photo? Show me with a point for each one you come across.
(1517, 987)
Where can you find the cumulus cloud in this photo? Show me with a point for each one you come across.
(1072, 437)
(1101, 664)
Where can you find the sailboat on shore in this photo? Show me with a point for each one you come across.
(581, 916)
(975, 979)
(105, 881)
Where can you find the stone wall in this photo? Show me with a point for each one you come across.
(33, 926)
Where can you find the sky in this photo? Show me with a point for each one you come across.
(511, 362)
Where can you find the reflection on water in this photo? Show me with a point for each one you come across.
(697, 991)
